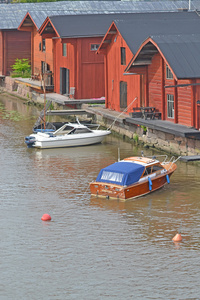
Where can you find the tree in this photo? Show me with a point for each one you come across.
(21, 68)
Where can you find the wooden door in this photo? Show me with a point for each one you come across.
(123, 94)
(64, 81)
(142, 92)
(198, 116)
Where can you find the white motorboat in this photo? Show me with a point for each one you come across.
(69, 135)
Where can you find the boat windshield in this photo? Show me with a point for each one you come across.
(152, 169)
(80, 130)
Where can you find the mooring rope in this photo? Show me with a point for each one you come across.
(121, 113)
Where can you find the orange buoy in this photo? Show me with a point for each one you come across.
(177, 238)
(46, 217)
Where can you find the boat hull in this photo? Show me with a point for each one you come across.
(71, 140)
(113, 191)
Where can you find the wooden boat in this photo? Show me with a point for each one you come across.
(132, 177)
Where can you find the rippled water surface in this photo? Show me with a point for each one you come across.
(92, 248)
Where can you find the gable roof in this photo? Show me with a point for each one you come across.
(81, 25)
(11, 15)
(181, 53)
(134, 31)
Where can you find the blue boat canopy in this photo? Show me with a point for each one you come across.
(122, 173)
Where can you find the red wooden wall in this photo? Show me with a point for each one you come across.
(86, 68)
(13, 44)
(155, 83)
(196, 92)
(1, 52)
(156, 86)
(64, 62)
(115, 73)
(38, 55)
(182, 95)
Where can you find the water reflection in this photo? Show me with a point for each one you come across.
(91, 243)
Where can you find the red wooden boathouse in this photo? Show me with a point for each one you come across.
(75, 42)
(172, 68)
(41, 49)
(152, 71)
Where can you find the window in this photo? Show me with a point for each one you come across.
(44, 67)
(43, 45)
(40, 46)
(112, 176)
(170, 106)
(64, 50)
(94, 47)
(169, 74)
(123, 56)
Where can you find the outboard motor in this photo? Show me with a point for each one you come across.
(29, 140)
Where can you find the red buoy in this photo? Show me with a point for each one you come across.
(46, 217)
(177, 238)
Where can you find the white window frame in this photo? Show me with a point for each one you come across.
(123, 56)
(169, 74)
(94, 47)
(43, 45)
(170, 106)
(64, 49)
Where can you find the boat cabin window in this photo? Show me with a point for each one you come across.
(147, 171)
(152, 169)
(67, 128)
(156, 168)
(80, 130)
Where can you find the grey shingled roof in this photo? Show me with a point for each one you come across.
(142, 26)
(133, 27)
(182, 53)
(11, 15)
(85, 25)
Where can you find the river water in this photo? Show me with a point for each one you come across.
(92, 248)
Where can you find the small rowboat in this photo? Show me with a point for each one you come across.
(132, 177)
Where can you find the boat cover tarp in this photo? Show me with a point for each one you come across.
(122, 173)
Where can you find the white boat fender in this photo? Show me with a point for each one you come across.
(150, 183)
(167, 177)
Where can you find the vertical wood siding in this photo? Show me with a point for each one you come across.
(115, 75)
(155, 82)
(186, 108)
(17, 45)
(39, 55)
(1, 52)
(184, 103)
(86, 67)
(92, 70)
(197, 104)
(63, 62)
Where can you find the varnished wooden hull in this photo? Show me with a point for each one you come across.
(107, 190)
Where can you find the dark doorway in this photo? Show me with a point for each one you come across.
(64, 81)
(123, 94)
(198, 116)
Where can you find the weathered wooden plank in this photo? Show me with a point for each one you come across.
(68, 112)
(190, 158)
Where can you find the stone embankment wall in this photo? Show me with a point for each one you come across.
(9, 85)
(153, 138)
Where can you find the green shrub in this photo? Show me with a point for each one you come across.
(21, 68)
(135, 137)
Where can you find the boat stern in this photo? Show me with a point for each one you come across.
(30, 141)
(108, 191)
